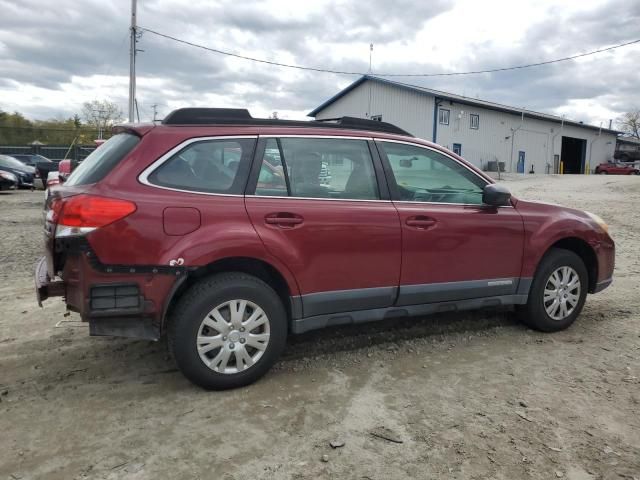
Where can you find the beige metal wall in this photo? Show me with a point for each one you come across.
(492, 141)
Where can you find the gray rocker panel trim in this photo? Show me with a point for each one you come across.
(367, 299)
(347, 300)
(362, 316)
(449, 291)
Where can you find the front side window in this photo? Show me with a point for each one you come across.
(329, 168)
(209, 166)
(443, 116)
(424, 175)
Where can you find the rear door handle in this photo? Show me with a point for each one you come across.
(283, 219)
(421, 221)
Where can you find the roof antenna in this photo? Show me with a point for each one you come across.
(368, 114)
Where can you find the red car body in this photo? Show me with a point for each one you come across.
(617, 169)
(332, 261)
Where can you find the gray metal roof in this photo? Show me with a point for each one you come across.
(458, 99)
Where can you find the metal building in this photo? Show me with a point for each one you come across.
(485, 133)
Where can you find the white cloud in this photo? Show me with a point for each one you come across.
(73, 52)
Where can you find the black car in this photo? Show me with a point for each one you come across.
(8, 181)
(43, 166)
(25, 173)
(30, 159)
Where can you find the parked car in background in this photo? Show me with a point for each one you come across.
(617, 169)
(157, 232)
(8, 181)
(24, 173)
(30, 159)
(64, 169)
(627, 149)
(53, 179)
(43, 166)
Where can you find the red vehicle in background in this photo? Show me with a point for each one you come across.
(617, 169)
(221, 231)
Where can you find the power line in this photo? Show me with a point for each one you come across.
(343, 72)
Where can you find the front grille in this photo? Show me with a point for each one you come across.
(110, 297)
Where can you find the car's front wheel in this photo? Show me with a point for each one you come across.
(227, 330)
(558, 292)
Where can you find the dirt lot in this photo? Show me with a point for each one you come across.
(468, 396)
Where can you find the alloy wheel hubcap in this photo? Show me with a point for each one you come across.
(233, 336)
(562, 293)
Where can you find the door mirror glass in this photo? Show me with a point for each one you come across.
(496, 195)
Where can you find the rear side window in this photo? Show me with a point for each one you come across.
(103, 159)
(318, 168)
(209, 166)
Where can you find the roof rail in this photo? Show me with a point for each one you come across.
(241, 116)
(355, 123)
(191, 116)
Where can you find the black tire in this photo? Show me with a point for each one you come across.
(602, 172)
(192, 308)
(534, 314)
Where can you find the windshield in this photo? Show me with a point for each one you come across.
(6, 161)
(103, 159)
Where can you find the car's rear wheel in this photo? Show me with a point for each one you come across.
(558, 292)
(227, 331)
(602, 172)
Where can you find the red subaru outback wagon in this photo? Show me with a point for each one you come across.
(228, 233)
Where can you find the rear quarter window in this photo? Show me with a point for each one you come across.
(103, 159)
(206, 166)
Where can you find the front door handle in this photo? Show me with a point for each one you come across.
(283, 219)
(421, 221)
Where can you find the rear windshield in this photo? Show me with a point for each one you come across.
(11, 162)
(103, 159)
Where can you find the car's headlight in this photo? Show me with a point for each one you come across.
(599, 221)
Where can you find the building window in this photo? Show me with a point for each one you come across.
(457, 148)
(377, 118)
(443, 116)
(474, 121)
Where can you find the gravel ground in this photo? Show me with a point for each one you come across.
(465, 396)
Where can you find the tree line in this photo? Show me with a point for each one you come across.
(94, 120)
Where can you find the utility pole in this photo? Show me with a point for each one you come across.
(132, 61)
(155, 111)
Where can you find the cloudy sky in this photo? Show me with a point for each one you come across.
(56, 55)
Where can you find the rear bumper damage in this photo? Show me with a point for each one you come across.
(45, 287)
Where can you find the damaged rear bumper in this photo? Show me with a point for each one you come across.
(45, 287)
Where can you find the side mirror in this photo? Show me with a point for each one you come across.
(496, 195)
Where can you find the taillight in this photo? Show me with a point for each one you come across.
(80, 214)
